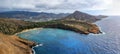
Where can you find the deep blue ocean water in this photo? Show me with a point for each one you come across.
(58, 41)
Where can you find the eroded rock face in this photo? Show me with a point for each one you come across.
(94, 30)
(14, 45)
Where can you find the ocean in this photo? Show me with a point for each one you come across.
(58, 41)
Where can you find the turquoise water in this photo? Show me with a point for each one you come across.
(57, 41)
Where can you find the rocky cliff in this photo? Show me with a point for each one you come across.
(14, 45)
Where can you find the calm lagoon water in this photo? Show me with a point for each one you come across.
(58, 41)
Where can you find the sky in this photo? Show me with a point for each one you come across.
(103, 7)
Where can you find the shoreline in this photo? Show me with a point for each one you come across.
(36, 46)
(26, 30)
(33, 51)
(102, 32)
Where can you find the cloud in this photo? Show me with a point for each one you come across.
(113, 8)
(74, 5)
(56, 6)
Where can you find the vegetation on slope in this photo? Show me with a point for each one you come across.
(12, 26)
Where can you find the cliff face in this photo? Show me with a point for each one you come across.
(14, 45)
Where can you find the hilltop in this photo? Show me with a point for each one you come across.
(77, 15)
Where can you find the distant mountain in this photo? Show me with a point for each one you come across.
(77, 15)
(31, 15)
(42, 16)
(101, 16)
(17, 14)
